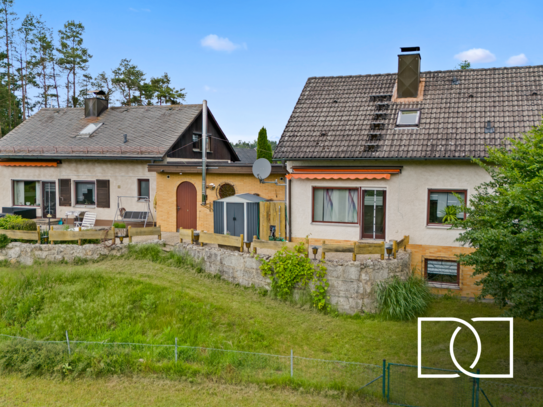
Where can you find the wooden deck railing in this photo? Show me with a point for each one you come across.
(357, 248)
(225, 240)
(144, 232)
(22, 234)
(79, 235)
(271, 245)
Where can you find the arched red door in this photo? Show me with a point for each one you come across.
(186, 206)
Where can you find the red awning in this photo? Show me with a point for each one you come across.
(27, 164)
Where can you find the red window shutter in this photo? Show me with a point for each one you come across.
(102, 193)
(65, 192)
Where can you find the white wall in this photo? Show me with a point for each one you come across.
(407, 199)
(122, 176)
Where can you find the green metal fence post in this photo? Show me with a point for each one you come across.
(477, 389)
(388, 381)
(384, 377)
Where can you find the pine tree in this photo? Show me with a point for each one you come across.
(73, 57)
(27, 61)
(7, 17)
(127, 79)
(44, 51)
(263, 146)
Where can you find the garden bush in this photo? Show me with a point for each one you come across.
(16, 222)
(118, 225)
(4, 241)
(403, 300)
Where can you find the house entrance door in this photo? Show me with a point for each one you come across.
(49, 199)
(373, 214)
(186, 206)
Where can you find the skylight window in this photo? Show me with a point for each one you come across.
(91, 128)
(408, 118)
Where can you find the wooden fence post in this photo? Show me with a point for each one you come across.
(394, 247)
(114, 237)
(406, 242)
(323, 256)
(129, 235)
(39, 234)
(354, 251)
(191, 236)
(159, 233)
(307, 248)
(79, 240)
(241, 247)
(254, 248)
(383, 251)
(180, 238)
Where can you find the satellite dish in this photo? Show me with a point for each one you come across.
(262, 168)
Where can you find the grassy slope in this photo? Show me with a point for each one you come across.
(131, 392)
(123, 300)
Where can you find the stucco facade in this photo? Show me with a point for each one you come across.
(123, 176)
(167, 185)
(406, 207)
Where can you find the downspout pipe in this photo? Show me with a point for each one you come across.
(204, 150)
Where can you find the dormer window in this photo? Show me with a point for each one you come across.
(408, 118)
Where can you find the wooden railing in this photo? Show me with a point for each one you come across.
(271, 245)
(357, 248)
(79, 235)
(22, 234)
(186, 235)
(225, 240)
(144, 232)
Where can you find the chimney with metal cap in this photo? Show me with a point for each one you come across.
(408, 73)
(96, 104)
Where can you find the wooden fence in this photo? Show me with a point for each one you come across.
(357, 248)
(271, 245)
(79, 235)
(144, 232)
(272, 213)
(186, 235)
(225, 240)
(22, 234)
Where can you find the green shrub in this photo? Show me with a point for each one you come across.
(403, 300)
(287, 269)
(16, 222)
(4, 241)
(118, 225)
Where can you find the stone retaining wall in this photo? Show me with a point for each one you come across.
(25, 253)
(351, 283)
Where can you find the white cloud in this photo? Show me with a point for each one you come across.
(132, 9)
(220, 44)
(517, 60)
(209, 89)
(476, 55)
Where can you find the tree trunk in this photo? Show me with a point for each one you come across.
(55, 84)
(7, 58)
(23, 89)
(68, 89)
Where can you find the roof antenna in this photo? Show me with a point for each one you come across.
(125, 138)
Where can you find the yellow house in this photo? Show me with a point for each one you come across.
(179, 189)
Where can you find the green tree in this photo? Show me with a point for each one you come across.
(74, 58)
(10, 109)
(7, 18)
(104, 82)
(27, 61)
(127, 79)
(505, 225)
(44, 51)
(164, 93)
(464, 65)
(263, 146)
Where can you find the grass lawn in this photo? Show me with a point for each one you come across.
(135, 300)
(132, 392)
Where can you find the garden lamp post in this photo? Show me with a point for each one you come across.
(315, 249)
(388, 248)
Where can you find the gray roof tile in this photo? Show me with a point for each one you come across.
(333, 114)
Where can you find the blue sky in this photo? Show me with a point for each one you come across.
(250, 59)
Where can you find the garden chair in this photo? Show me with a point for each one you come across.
(87, 223)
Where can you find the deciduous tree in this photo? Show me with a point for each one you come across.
(505, 225)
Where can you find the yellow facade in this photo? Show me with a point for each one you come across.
(243, 183)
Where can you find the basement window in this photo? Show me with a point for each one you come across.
(408, 118)
(442, 273)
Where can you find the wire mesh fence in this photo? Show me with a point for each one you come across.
(240, 365)
(397, 383)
